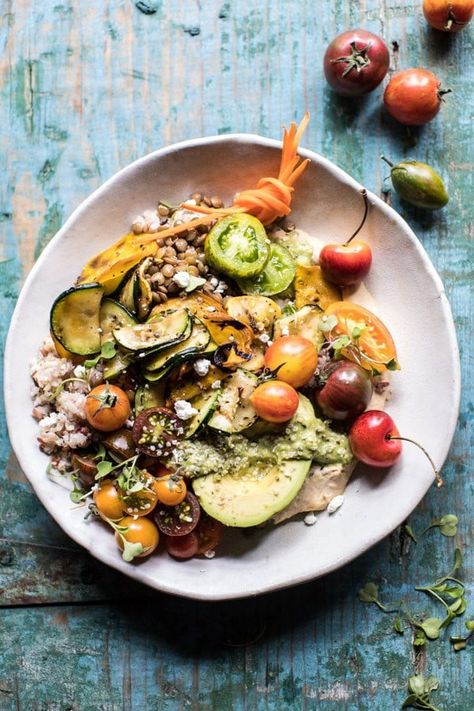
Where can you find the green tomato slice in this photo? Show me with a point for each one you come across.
(277, 275)
(237, 246)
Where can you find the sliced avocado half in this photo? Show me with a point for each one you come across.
(251, 496)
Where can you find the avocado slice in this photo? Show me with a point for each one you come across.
(251, 497)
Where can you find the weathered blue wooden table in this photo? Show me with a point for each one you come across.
(86, 87)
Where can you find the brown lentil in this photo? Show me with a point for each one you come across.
(163, 210)
(181, 245)
(207, 200)
(197, 197)
(216, 201)
(167, 270)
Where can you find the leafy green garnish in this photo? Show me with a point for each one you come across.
(107, 352)
(419, 692)
(130, 550)
(448, 525)
(460, 643)
(370, 593)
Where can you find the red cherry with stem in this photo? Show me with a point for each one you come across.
(347, 264)
(375, 440)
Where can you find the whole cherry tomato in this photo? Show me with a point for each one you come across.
(182, 547)
(107, 499)
(413, 96)
(448, 15)
(356, 62)
(275, 401)
(209, 532)
(140, 530)
(170, 489)
(107, 407)
(292, 359)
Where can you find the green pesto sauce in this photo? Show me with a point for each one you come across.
(306, 437)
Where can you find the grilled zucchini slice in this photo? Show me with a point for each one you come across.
(74, 319)
(235, 412)
(173, 327)
(197, 342)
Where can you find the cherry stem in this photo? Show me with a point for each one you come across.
(363, 192)
(389, 162)
(439, 481)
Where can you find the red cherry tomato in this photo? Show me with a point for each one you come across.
(356, 62)
(413, 96)
(293, 359)
(448, 15)
(182, 547)
(275, 401)
(370, 439)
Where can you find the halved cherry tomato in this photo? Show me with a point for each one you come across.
(275, 401)
(107, 407)
(375, 349)
(209, 532)
(182, 547)
(140, 530)
(181, 519)
(292, 359)
(156, 431)
(108, 501)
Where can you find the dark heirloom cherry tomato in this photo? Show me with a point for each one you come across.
(346, 392)
(182, 547)
(178, 520)
(448, 15)
(156, 431)
(356, 62)
(209, 532)
(86, 469)
(120, 444)
(413, 96)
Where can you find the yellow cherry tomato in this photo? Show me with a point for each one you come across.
(108, 501)
(171, 489)
(139, 530)
(107, 407)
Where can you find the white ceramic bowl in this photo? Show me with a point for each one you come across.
(410, 297)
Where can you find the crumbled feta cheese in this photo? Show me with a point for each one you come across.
(182, 279)
(184, 409)
(202, 366)
(335, 504)
(285, 331)
(310, 518)
(79, 371)
(264, 338)
(216, 384)
(211, 308)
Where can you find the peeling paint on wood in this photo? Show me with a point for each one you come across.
(87, 87)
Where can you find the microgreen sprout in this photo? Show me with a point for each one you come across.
(419, 692)
(448, 525)
(107, 352)
(130, 550)
(460, 643)
(62, 384)
(370, 593)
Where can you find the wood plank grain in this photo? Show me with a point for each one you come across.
(86, 88)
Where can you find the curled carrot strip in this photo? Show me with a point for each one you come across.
(271, 198)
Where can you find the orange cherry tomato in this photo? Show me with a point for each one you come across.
(293, 359)
(170, 489)
(448, 15)
(108, 501)
(107, 407)
(140, 530)
(413, 96)
(275, 401)
(374, 348)
(143, 501)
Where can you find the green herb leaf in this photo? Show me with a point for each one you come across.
(289, 309)
(369, 593)
(457, 561)
(416, 684)
(469, 625)
(431, 627)
(409, 531)
(138, 486)
(392, 364)
(447, 525)
(357, 331)
(103, 469)
(107, 352)
(420, 688)
(419, 638)
(398, 626)
(130, 550)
